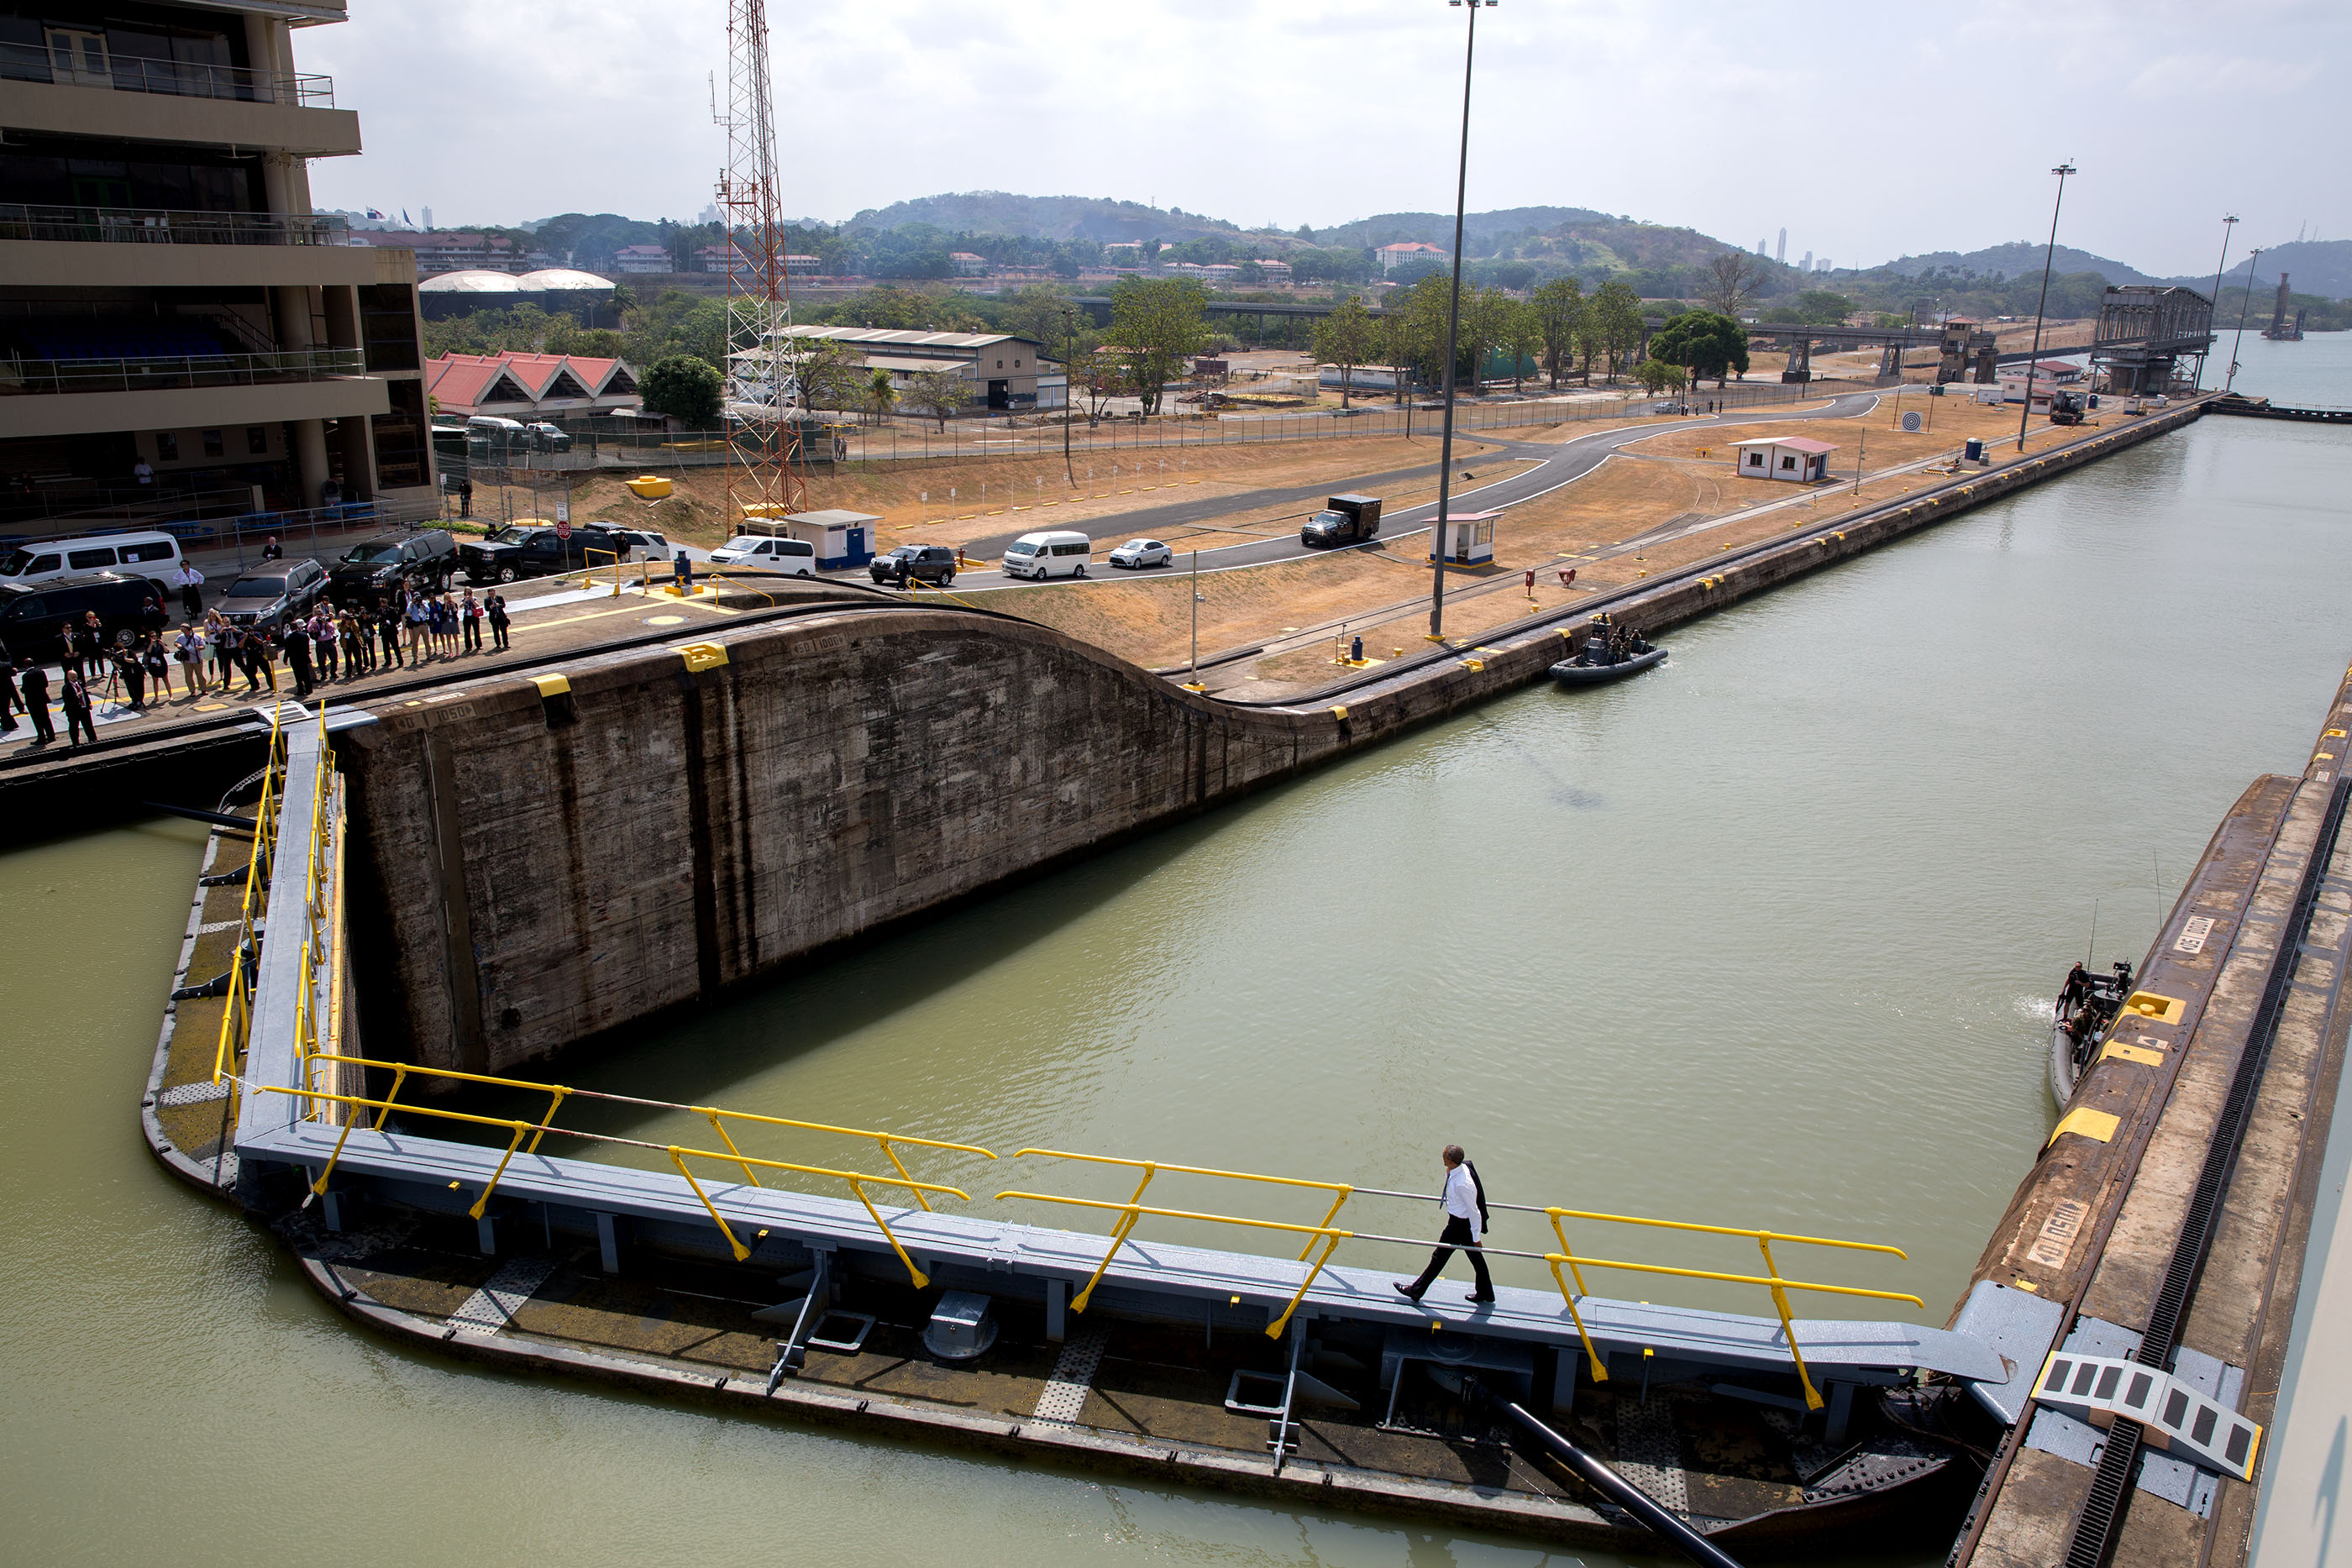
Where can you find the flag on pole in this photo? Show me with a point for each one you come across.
(406, 220)
(374, 214)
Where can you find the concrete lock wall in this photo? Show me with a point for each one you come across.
(541, 869)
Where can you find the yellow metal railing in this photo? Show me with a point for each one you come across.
(616, 565)
(1329, 1236)
(519, 1131)
(237, 1020)
(1771, 1279)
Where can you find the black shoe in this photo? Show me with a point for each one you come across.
(1406, 1291)
(1476, 1297)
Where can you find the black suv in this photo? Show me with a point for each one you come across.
(273, 593)
(521, 550)
(32, 616)
(916, 563)
(367, 572)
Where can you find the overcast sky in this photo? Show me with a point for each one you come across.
(1868, 129)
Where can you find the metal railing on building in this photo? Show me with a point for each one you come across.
(170, 371)
(166, 226)
(178, 78)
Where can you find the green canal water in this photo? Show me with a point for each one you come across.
(1762, 938)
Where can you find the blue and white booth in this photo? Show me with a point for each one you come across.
(841, 538)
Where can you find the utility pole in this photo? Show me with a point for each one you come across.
(2219, 267)
(1452, 331)
(1069, 385)
(2049, 255)
(2254, 256)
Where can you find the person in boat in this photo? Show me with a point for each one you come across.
(2075, 991)
(1465, 1200)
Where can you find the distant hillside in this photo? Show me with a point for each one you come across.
(2322, 266)
(2017, 258)
(1042, 217)
(1437, 228)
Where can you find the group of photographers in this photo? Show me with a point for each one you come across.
(209, 653)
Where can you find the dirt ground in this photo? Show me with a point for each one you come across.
(1641, 513)
(973, 498)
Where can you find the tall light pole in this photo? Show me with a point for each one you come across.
(2049, 255)
(2254, 256)
(1453, 329)
(2219, 268)
(1069, 387)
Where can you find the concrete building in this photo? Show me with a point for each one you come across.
(530, 387)
(1003, 371)
(1395, 256)
(439, 253)
(641, 258)
(1796, 458)
(167, 296)
(966, 264)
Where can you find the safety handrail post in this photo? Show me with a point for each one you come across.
(676, 1157)
(1787, 1325)
(1591, 1351)
(1332, 1214)
(481, 1204)
(399, 1077)
(899, 1166)
(717, 1127)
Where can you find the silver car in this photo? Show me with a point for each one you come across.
(1138, 553)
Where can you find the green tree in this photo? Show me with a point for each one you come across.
(686, 389)
(1522, 337)
(1558, 307)
(1347, 338)
(938, 394)
(1157, 321)
(1708, 344)
(1612, 324)
(880, 396)
(1656, 375)
(1484, 329)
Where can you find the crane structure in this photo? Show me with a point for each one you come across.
(765, 479)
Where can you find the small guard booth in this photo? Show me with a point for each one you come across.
(1469, 537)
(1795, 458)
(842, 538)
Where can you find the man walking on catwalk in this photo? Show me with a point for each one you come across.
(1465, 1226)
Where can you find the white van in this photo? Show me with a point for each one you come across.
(1046, 555)
(152, 555)
(794, 557)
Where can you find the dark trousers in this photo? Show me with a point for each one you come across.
(77, 725)
(1456, 1234)
(390, 638)
(473, 624)
(498, 633)
(42, 724)
(192, 602)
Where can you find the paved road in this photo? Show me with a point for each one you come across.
(1556, 463)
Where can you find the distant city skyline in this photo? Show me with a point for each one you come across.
(1930, 175)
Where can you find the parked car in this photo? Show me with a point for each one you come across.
(533, 549)
(268, 596)
(48, 559)
(649, 543)
(1669, 407)
(915, 563)
(32, 615)
(424, 563)
(775, 552)
(1138, 553)
(548, 438)
(1048, 554)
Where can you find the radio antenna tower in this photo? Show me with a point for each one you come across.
(764, 477)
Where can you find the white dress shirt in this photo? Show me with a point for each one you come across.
(1462, 1198)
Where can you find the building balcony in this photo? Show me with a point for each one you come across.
(150, 373)
(76, 398)
(133, 226)
(165, 101)
(123, 73)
